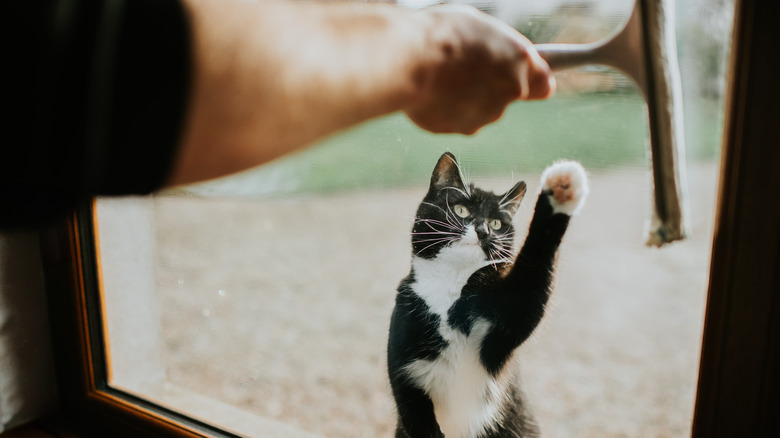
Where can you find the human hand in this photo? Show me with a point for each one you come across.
(272, 77)
(483, 65)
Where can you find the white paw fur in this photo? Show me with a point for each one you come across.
(566, 184)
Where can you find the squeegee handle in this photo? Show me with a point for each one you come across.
(645, 50)
(566, 56)
(624, 50)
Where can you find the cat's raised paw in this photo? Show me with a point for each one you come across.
(566, 184)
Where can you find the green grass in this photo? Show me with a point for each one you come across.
(601, 131)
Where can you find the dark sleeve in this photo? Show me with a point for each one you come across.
(98, 92)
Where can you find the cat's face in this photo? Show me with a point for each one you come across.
(463, 221)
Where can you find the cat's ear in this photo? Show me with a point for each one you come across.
(511, 199)
(446, 174)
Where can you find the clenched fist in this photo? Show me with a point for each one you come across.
(482, 66)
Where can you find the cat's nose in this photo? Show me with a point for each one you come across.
(482, 230)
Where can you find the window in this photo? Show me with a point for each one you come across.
(115, 394)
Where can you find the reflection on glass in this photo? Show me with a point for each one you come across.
(261, 302)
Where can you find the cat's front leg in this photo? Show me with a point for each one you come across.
(416, 418)
(520, 298)
(564, 188)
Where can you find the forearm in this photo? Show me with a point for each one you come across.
(272, 77)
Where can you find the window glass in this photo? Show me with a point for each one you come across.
(261, 302)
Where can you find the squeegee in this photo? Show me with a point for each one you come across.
(645, 49)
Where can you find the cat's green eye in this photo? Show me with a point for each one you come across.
(461, 211)
(495, 224)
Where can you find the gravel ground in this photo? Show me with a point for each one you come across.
(281, 308)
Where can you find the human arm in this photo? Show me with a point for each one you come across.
(113, 98)
(272, 77)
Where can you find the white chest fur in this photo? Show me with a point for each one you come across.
(439, 281)
(466, 398)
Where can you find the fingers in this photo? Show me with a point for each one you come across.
(488, 66)
(534, 75)
(536, 79)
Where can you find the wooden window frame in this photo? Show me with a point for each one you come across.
(738, 391)
(89, 406)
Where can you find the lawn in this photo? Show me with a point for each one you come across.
(601, 131)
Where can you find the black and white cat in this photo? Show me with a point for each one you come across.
(468, 304)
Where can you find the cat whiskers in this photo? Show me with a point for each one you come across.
(446, 225)
(447, 231)
(435, 242)
(462, 192)
(506, 238)
(449, 237)
(434, 206)
(451, 222)
(506, 255)
(499, 251)
(448, 214)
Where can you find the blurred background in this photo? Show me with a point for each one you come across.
(275, 286)
(598, 116)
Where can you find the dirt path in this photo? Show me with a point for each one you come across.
(281, 308)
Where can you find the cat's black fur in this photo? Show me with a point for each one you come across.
(492, 310)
